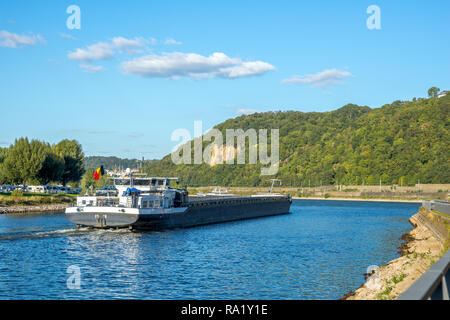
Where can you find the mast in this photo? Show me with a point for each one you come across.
(273, 183)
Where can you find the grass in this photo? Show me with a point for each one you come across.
(384, 295)
(441, 213)
(28, 199)
(397, 279)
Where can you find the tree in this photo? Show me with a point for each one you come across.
(342, 146)
(433, 92)
(72, 153)
(24, 160)
(3, 155)
(89, 180)
(52, 168)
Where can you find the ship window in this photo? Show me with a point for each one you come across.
(156, 203)
(150, 204)
(144, 204)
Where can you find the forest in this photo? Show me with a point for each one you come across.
(93, 162)
(405, 142)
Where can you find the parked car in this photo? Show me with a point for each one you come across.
(107, 191)
(77, 190)
(7, 188)
(21, 188)
(108, 188)
(65, 189)
(51, 189)
(36, 189)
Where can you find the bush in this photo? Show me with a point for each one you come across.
(17, 194)
(45, 200)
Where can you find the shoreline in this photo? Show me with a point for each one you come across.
(360, 199)
(62, 207)
(33, 208)
(421, 249)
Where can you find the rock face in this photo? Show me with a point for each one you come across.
(41, 208)
(420, 251)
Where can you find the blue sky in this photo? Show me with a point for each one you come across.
(137, 71)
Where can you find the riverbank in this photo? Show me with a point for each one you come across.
(424, 245)
(33, 208)
(360, 199)
(30, 202)
(351, 193)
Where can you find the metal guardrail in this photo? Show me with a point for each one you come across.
(439, 205)
(433, 284)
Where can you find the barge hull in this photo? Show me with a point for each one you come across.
(207, 214)
(101, 219)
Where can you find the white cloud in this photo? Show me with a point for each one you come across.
(98, 51)
(13, 40)
(322, 79)
(129, 45)
(246, 69)
(67, 36)
(177, 64)
(91, 68)
(172, 41)
(246, 111)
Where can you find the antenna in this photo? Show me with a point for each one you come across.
(273, 183)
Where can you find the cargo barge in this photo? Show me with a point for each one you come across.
(151, 204)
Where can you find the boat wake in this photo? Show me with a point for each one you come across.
(43, 234)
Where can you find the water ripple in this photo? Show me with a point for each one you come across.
(320, 251)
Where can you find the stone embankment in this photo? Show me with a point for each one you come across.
(424, 245)
(32, 209)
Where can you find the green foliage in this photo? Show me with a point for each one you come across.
(351, 145)
(95, 162)
(34, 161)
(52, 168)
(19, 198)
(16, 194)
(397, 279)
(71, 152)
(89, 180)
(24, 160)
(433, 92)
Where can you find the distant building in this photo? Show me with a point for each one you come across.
(117, 172)
(443, 94)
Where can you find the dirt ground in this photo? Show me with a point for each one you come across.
(419, 252)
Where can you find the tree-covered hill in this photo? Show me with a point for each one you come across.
(403, 142)
(94, 162)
